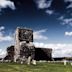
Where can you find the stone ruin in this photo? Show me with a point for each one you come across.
(24, 51)
(24, 48)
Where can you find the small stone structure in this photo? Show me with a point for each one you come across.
(24, 48)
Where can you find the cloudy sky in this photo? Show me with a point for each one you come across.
(51, 21)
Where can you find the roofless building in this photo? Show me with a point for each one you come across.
(24, 47)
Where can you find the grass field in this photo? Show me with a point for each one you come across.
(40, 67)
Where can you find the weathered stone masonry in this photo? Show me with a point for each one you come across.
(24, 47)
(24, 50)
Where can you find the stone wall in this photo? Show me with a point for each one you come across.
(10, 54)
(43, 54)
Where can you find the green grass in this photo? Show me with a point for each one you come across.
(40, 67)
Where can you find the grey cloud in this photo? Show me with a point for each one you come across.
(44, 4)
(6, 4)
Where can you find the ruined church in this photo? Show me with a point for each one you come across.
(24, 49)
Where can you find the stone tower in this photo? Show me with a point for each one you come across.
(24, 47)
